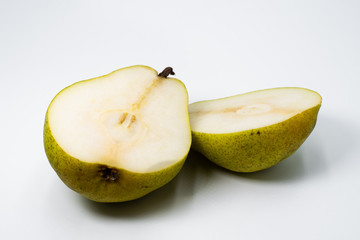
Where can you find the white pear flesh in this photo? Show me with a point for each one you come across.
(273, 122)
(131, 120)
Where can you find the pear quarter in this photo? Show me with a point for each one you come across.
(261, 146)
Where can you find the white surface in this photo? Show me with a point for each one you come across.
(84, 120)
(218, 49)
(251, 110)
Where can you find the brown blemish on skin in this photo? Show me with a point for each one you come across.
(258, 133)
(108, 174)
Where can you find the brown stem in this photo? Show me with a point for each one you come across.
(167, 71)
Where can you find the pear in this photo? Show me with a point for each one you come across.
(256, 130)
(120, 136)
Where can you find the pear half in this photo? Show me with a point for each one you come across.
(256, 130)
(118, 137)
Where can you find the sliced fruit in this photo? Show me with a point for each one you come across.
(256, 130)
(120, 136)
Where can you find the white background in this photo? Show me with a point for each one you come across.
(218, 49)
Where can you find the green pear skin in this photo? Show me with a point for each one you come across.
(93, 180)
(256, 149)
(102, 182)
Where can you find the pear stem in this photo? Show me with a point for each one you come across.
(166, 72)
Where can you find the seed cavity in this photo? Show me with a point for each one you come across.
(254, 109)
(126, 119)
(132, 119)
(122, 117)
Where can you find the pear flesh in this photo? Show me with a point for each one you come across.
(256, 130)
(120, 136)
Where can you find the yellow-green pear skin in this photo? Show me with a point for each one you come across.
(102, 183)
(259, 148)
(120, 136)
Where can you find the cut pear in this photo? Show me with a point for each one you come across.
(256, 130)
(120, 136)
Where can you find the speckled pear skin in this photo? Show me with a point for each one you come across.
(102, 183)
(256, 149)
